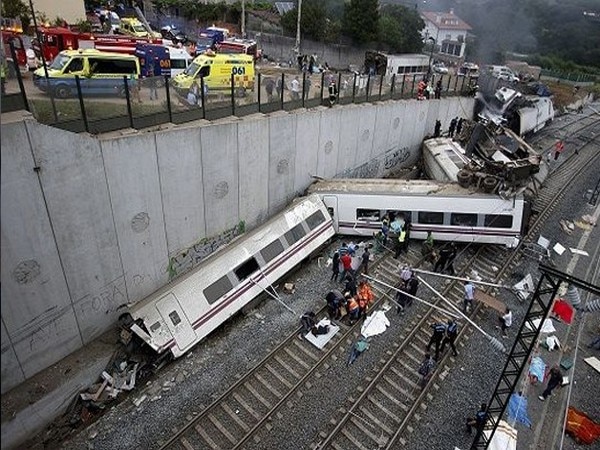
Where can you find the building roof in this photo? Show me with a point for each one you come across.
(445, 21)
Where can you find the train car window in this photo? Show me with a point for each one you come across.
(246, 269)
(175, 318)
(433, 218)
(155, 327)
(218, 289)
(498, 221)
(315, 219)
(295, 234)
(272, 250)
(463, 219)
(368, 214)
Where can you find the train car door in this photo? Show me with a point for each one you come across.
(330, 202)
(176, 320)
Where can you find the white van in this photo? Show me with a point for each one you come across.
(504, 73)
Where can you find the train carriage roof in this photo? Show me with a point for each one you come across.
(392, 187)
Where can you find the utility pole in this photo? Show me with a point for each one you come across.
(244, 19)
(298, 28)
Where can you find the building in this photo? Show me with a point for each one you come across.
(449, 33)
(69, 10)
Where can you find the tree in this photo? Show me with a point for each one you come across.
(313, 21)
(360, 20)
(400, 29)
(16, 9)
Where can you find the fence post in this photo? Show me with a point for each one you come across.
(380, 86)
(303, 87)
(392, 86)
(81, 104)
(368, 87)
(354, 88)
(232, 96)
(282, 88)
(322, 86)
(168, 95)
(455, 84)
(448, 84)
(412, 89)
(259, 92)
(402, 89)
(13, 53)
(128, 99)
(462, 86)
(202, 97)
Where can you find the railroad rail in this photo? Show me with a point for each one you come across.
(391, 399)
(583, 123)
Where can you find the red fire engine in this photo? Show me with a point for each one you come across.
(233, 45)
(56, 39)
(11, 32)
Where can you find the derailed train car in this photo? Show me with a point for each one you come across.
(449, 211)
(182, 313)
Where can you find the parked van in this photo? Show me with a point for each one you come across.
(503, 73)
(133, 27)
(100, 73)
(216, 69)
(166, 61)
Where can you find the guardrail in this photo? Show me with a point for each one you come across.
(570, 76)
(95, 106)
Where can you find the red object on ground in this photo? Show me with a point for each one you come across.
(581, 427)
(563, 310)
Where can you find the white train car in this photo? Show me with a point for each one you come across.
(182, 313)
(450, 212)
(532, 118)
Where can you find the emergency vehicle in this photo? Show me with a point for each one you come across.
(216, 70)
(244, 46)
(15, 38)
(56, 39)
(208, 40)
(133, 27)
(158, 60)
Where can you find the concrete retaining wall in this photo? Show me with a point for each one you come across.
(91, 224)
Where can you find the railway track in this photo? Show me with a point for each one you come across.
(560, 132)
(389, 401)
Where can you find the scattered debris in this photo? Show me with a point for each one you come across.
(579, 252)
(558, 248)
(567, 226)
(289, 288)
(138, 401)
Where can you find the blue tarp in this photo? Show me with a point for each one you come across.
(517, 409)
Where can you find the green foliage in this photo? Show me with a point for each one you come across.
(84, 26)
(399, 29)
(16, 9)
(313, 22)
(360, 20)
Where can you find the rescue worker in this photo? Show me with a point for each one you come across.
(335, 266)
(333, 92)
(439, 330)
(334, 299)
(346, 261)
(478, 421)
(350, 285)
(427, 249)
(412, 286)
(365, 297)
(442, 261)
(365, 258)
(437, 129)
(426, 370)
(450, 337)
(353, 308)
(554, 380)
(469, 296)
(400, 243)
(401, 300)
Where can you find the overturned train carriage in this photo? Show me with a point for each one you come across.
(182, 313)
(449, 211)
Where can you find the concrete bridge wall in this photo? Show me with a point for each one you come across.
(90, 224)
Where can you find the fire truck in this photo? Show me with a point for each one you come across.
(11, 32)
(56, 39)
(234, 45)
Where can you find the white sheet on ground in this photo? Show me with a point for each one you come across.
(547, 327)
(322, 339)
(505, 437)
(525, 287)
(375, 324)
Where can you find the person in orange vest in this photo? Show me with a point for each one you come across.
(365, 296)
(558, 149)
(352, 308)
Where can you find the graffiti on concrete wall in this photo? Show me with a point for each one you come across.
(107, 299)
(394, 158)
(192, 256)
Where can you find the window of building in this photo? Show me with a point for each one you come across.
(295, 234)
(246, 269)
(498, 221)
(175, 318)
(431, 218)
(271, 251)
(218, 289)
(315, 219)
(463, 220)
(368, 215)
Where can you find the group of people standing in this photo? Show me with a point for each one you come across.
(454, 128)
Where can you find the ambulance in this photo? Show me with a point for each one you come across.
(216, 69)
(100, 73)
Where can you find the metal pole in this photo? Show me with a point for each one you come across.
(298, 29)
(13, 53)
(282, 85)
(339, 85)
(40, 42)
(412, 89)
(232, 97)
(322, 85)
(303, 87)
(452, 277)
(380, 86)
(168, 95)
(368, 87)
(259, 79)
(354, 88)
(392, 86)
(128, 99)
(81, 104)
(433, 41)
(202, 98)
(462, 85)
(402, 89)
(244, 19)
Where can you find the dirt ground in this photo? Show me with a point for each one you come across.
(564, 93)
